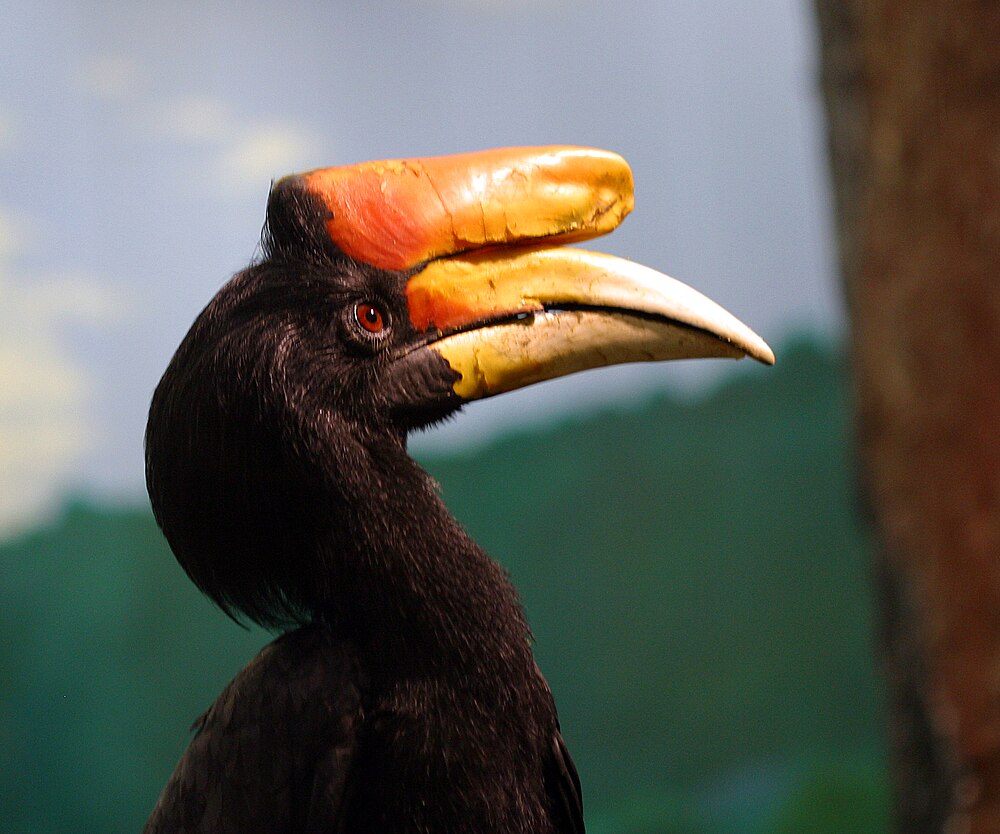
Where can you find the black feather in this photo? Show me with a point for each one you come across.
(276, 458)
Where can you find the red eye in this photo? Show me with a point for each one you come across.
(370, 317)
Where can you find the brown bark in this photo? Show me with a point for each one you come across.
(919, 209)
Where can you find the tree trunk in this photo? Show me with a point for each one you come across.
(913, 102)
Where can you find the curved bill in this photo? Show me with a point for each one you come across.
(552, 344)
(502, 319)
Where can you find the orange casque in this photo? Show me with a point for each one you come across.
(397, 214)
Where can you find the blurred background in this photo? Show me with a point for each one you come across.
(685, 536)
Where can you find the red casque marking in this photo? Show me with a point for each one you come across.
(430, 310)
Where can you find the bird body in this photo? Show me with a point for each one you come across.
(403, 695)
(437, 711)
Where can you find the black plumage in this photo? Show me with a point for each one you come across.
(407, 698)
(404, 696)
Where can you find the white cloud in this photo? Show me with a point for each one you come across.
(14, 235)
(193, 119)
(8, 132)
(44, 392)
(70, 297)
(242, 155)
(505, 6)
(111, 77)
(266, 152)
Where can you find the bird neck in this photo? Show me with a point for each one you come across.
(416, 592)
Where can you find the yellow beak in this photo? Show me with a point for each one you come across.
(496, 300)
(506, 318)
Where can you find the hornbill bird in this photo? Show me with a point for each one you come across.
(403, 695)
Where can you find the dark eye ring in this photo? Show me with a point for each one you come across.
(370, 318)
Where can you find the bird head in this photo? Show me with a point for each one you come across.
(389, 294)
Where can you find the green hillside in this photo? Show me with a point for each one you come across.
(693, 571)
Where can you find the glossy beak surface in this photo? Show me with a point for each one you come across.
(495, 298)
(506, 318)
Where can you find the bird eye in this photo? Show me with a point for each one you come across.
(370, 318)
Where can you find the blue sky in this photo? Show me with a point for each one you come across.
(137, 142)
